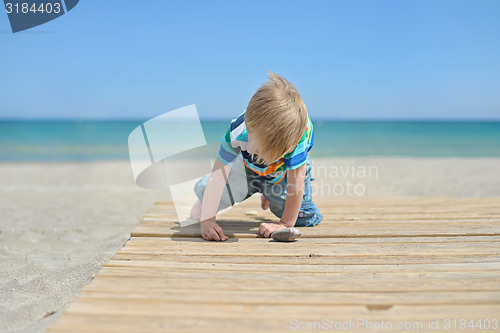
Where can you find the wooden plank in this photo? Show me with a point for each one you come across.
(377, 203)
(361, 318)
(335, 219)
(332, 210)
(318, 268)
(452, 240)
(255, 247)
(274, 312)
(262, 283)
(438, 284)
(369, 277)
(455, 208)
(314, 259)
(427, 242)
(354, 229)
(178, 294)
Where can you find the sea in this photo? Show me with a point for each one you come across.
(92, 140)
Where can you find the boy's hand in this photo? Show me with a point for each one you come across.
(210, 230)
(267, 229)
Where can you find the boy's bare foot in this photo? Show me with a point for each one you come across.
(210, 230)
(264, 203)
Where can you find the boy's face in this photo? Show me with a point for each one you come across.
(256, 145)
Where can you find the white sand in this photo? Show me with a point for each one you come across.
(61, 222)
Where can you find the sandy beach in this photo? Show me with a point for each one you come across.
(61, 222)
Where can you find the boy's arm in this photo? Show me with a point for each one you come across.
(295, 192)
(210, 230)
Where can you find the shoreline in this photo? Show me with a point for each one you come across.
(384, 176)
(313, 157)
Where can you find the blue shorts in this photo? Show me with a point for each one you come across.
(309, 215)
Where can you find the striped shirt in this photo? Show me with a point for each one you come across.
(235, 142)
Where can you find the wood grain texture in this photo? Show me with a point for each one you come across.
(409, 261)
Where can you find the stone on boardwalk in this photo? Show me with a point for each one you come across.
(286, 235)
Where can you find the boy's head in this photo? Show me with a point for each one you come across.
(276, 118)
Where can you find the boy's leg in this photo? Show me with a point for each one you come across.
(309, 214)
(199, 190)
(237, 192)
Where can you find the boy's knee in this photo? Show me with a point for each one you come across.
(199, 187)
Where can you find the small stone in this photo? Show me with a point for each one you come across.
(252, 213)
(287, 234)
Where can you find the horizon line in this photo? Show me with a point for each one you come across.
(221, 119)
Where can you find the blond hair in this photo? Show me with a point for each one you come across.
(277, 115)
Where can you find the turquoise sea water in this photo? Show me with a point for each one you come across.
(107, 140)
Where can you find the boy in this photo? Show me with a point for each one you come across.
(268, 144)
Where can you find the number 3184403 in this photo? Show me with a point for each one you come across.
(25, 8)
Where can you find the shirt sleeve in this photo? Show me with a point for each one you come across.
(227, 153)
(298, 156)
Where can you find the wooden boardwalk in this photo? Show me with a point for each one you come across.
(411, 265)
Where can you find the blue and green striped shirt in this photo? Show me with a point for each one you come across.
(235, 142)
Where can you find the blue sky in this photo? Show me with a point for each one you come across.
(349, 59)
